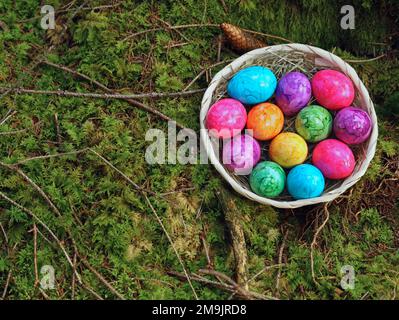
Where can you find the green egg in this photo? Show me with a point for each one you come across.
(267, 179)
(314, 123)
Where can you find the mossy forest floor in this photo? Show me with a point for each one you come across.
(115, 243)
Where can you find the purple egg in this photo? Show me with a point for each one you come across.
(352, 125)
(293, 93)
(241, 154)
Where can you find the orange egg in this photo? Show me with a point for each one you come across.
(266, 120)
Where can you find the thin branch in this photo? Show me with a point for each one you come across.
(6, 133)
(3, 296)
(9, 114)
(51, 156)
(75, 73)
(203, 71)
(234, 223)
(34, 216)
(132, 102)
(34, 185)
(73, 276)
(184, 26)
(35, 254)
(102, 279)
(57, 128)
(138, 188)
(4, 233)
(235, 287)
(267, 35)
(365, 60)
(88, 288)
(62, 93)
(280, 260)
(59, 243)
(314, 242)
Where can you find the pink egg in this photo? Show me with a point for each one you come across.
(332, 89)
(226, 118)
(334, 159)
(241, 154)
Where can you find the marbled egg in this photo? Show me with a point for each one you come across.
(313, 123)
(288, 149)
(266, 120)
(252, 85)
(267, 179)
(332, 89)
(334, 159)
(226, 118)
(352, 125)
(293, 92)
(305, 181)
(241, 154)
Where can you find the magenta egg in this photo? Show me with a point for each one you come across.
(241, 154)
(352, 125)
(226, 118)
(334, 159)
(332, 89)
(293, 93)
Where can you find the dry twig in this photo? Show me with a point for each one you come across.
(138, 188)
(280, 260)
(35, 254)
(102, 279)
(132, 102)
(185, 26)
(314, 242)
(233, 220)
(62, 93)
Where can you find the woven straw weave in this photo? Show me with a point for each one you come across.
(281, 59)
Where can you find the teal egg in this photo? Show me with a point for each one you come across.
(314, 123)
(267, 179)
(252, 85)
(305, 181)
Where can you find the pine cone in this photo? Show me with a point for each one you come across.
(240, 40)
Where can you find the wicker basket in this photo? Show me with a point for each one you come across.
(281, 59)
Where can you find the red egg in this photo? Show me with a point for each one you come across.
(334, 159)
(226, 118)
(332, 89)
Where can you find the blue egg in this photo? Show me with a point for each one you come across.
(252, 85)
(305, 181)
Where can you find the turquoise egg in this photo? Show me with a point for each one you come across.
(267, 179)
(252, 85)
(305, 181)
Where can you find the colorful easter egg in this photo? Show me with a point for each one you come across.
(226, 118)
(314, 123)
(293, 92)
(288, 149)
(252, 85)
(332, 89)
(305, 181)
(267, 179)
(241, 154)
(334, 159)
(266, 120)
(352, 125)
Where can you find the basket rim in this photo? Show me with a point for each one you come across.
(327, 59)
